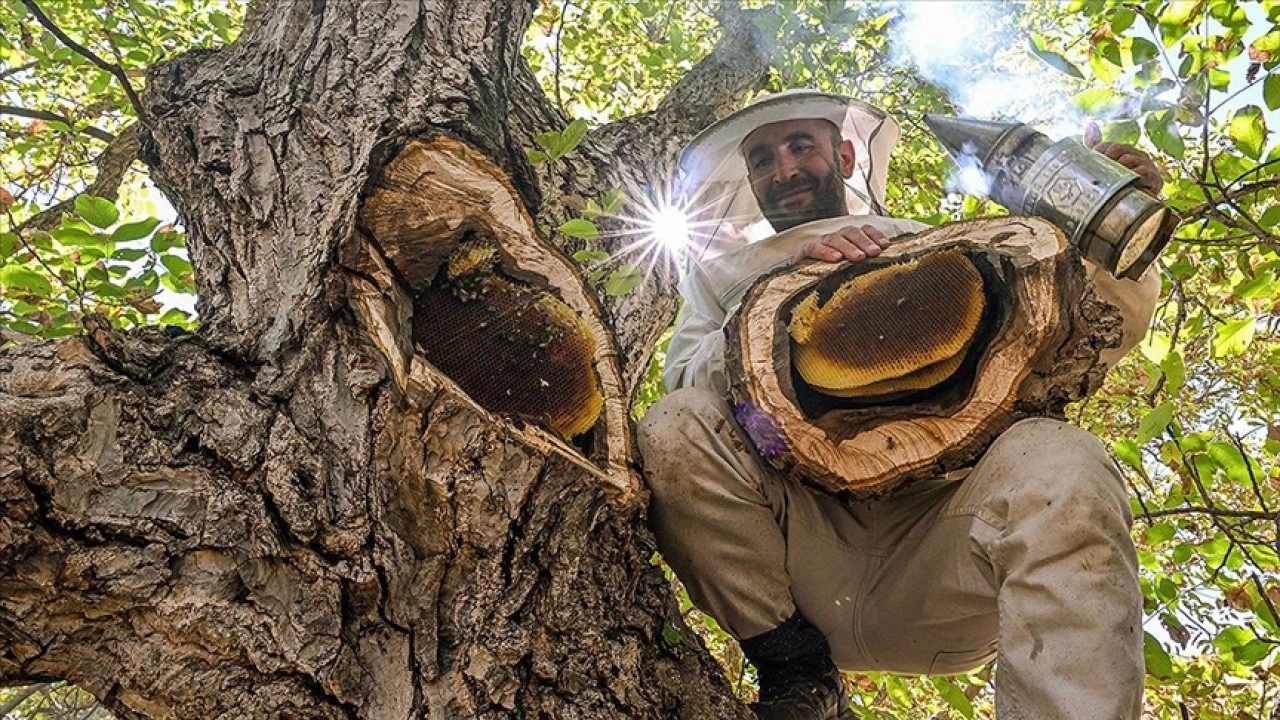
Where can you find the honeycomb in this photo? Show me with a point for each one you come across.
(898, 328)
(515, 349)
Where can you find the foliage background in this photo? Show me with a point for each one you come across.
(1194, 418)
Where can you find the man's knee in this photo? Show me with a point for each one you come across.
(1053, 458)
(679, 417)
(678, 424)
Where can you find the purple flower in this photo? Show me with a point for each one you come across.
(761, 430)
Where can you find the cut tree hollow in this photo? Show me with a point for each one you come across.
(456, 286)
(515, 349)
(859, 377)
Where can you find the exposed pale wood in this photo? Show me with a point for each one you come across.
(1042, 355)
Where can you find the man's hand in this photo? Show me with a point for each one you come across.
(851, 243)
(1149, 178)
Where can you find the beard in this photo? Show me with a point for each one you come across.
(826, 200)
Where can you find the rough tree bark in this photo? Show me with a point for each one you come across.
(289, 514)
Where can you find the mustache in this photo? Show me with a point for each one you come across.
(778, 192)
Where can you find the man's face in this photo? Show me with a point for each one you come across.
(796, 168)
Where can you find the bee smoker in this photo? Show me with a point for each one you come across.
(1090, 197)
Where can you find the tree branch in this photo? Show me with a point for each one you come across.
(89, 55)
(1229, 195)
(112, 164)
(633, 150)
(12, 703)
(1214, 512)
(92, 132)
(710, 90)
(15, 70)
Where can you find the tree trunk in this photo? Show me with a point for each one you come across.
(868, 375)
(295, 512)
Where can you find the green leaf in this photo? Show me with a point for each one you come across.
(1261, 285)
(1253, 652)
(1237, 466)
(1232, 638)
(623, 280)
(1155, 346)
(20, 278)
(75, 237)
(1098, 100)
(1056, 61)
(1124, 131)
(1179, 12)
(1136, 50)
(1122, 20)
(613, 200)
(1174, 371)
(175, 264)
(1158, 662)
(1164, 133)
(1233, 337)
(1128, 452)
(174, 316)
(1183, 552)
(1104, 70)
(1248, 130)
(96, 211)
(1154, 422)
(536, 156)
(954, 695)
(1271, 91)
(160, 242)
(134, 230)
(129, 254)
(572, 135)
(549, 140)
(1229, 14)
(1160, 533)
(580, 228)
(1268, 43)
(591, 256)
(671, 635)
(1219, 79)
(101, 81)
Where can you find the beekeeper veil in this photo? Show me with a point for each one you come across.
(712, 175)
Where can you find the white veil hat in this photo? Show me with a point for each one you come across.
(712, 175)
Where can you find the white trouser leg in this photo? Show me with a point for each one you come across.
(1031, 553)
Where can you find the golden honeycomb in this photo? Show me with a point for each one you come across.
(515, 349)
(898, 328)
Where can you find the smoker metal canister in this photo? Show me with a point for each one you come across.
(1084, 193)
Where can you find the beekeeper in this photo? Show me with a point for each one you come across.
(1026, 557)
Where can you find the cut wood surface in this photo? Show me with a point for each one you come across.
(1035, 350)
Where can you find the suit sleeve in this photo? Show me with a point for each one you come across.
(695, 356)
(1136, 300)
